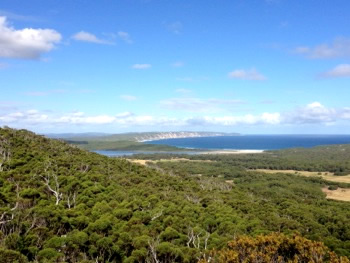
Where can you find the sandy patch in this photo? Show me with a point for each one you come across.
(138, 161)
(341, 194)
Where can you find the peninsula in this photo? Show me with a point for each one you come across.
(134, 141)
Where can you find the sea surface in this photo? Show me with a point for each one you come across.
(242, 142)
(255, 142)
(129, 153)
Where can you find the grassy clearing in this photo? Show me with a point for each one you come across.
(341, 194)
(325, 175)
(138, 161)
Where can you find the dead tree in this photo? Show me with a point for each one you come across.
(71, 199)
(194, 239)
(8, 216)
(152, 251)
(5, 153)
(55, 190)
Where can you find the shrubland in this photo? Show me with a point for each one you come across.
(63, 204)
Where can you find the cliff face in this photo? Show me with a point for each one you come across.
(173, 135)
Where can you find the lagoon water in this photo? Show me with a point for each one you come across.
(255, 142)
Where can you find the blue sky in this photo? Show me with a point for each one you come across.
(258, 66)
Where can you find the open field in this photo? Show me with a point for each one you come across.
(325, 175)
(341, 194)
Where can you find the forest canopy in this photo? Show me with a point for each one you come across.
(63, 204)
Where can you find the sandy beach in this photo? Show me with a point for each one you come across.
(231, 152)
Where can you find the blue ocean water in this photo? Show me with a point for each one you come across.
(255, 142)
(129, 153)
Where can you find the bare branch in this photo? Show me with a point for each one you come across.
(56, 189)
(157, 215)
(153, 250)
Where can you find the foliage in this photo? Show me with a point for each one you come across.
(330, 158)
(63, 204)
(95, 145)
(274, 248)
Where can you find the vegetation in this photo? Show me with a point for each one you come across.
(63, 204)
(124, 146)
(133, 141)
(334, 158)
(274, 248)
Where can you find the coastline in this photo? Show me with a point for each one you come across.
(232, 152)
(182, 135)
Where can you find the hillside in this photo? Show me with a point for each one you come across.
(63, 204)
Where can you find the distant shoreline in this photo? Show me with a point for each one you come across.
(231, 151)
(182, 135)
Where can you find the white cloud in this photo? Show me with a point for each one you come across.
(248, 119)
(128, 97)
(88, 37)
(312, 114)
(27, 43)
(271, 118)
(29, 116)
(251, 74)
(178, 64)
(340, 47)
(125, 36)
(141, 66)
(342, 70)
(197, 105)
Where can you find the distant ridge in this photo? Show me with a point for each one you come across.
(136, 136)
(174, 135)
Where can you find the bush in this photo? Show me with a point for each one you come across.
(332, 187)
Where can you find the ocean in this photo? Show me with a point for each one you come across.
(255, 142)
(242, 142)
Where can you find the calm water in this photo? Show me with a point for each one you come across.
(244, 142)
(128, 153)
(256, 142)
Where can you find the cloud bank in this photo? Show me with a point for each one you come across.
(340, 47)
(342, 70)
(251, 74)
(196, 104)
(313, 113)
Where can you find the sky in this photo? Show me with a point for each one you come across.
(246, 66)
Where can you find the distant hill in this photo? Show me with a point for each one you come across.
(75, 135)
(133, 141)
(138, 136)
